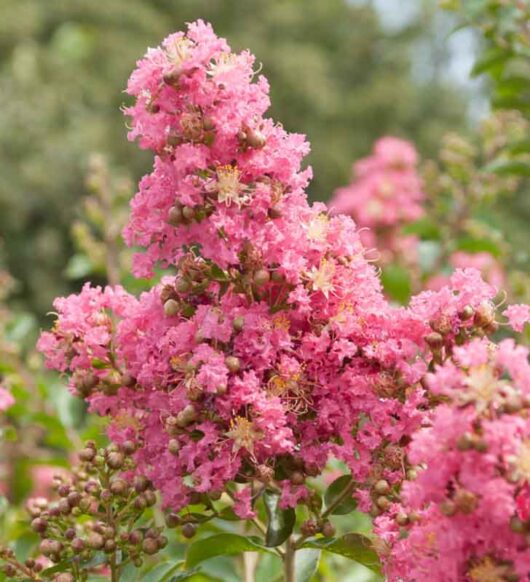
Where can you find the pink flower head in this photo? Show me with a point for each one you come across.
(6, 399)
(518, 316)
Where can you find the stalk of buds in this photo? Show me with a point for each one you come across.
(100, 511)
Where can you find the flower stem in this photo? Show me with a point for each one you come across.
(288, 561)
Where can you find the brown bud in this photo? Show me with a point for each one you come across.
(150, 497)
(434, 340)
(309, 528)
(50, 547)
(448, 508)
(188, 213)
(110, 546)
(86, 383)
(328, 529)
(189, 530)
(254, 138)
(466, 313)
(173, 447)
(95, 541)
(261, 277)
(382, 487)
(136, 537)
(119, 487)
(233, 364)
(115, 460)
(78, 545)
(239, 323)
(74, 498)
(150, 546)
(186, 416)
(275, 212)
(174, 216)
(513, 404)
(171, 308)
(129, 447)
(465, 501)
(402, 519)
(172, 520)
(141, 483)
(39, 525)
(484, 315)
(383, 502)
(87, 454)
(297, 478)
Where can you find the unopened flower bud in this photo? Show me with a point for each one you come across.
(382, 487)
(189, 530)
(309, 528)
(141, 483)
(261, 277)
(233, 364)
(119, 487)
(174, 216)
(172, 520)
(115, 460)
(465, 501)
(434, 340)
(328, 529)
(173, 447)
(171, 308)
(254, 138)
(297, 478)
(239, 323)
(383, 502)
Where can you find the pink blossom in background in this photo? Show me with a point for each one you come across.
(385, 194)
(6, 399)
(518, 316)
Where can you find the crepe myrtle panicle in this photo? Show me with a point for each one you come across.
(272, 348)
(466, 515)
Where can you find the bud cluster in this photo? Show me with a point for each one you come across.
(97, 511)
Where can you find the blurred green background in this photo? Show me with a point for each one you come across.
(343, 72)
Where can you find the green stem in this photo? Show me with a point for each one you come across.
(289, 570)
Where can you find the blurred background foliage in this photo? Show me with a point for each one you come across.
(339, 72)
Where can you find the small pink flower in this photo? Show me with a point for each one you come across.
(6, 399)
(518, 316)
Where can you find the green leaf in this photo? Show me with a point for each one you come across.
(280, 521)
(218, 274)
(396, 282)
(79, 266)
(162, 572)
(479, 245)
(508, 167)
(334, 491)
(491, 58)
(306, 564)
(221, 545)
(519, 147)
(353, 546)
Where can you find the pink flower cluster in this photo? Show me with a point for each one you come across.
(273, 346)
(386, 193)
(466, 515)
